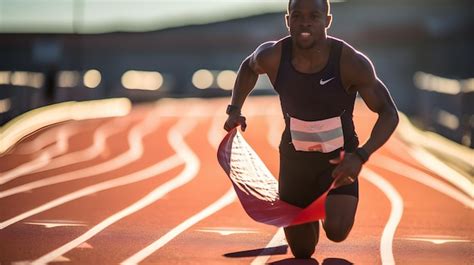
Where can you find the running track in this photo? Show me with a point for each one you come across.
(147, 188)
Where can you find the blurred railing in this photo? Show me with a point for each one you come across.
(446, 106)
(22, 91)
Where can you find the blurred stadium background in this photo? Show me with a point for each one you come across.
(53, 51)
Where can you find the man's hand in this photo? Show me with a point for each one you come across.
(347, 170)
(234, 120)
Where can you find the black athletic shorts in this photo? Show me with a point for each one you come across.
(307, 175)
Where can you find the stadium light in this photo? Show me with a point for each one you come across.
(5, 105)
(5, 77)
(92, 78)
(142, 80)
(36, 80)
(68, 78)
(226, 79)
(19, 78)
(203, 79)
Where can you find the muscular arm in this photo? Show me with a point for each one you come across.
(359, 73)
(265, 59)
(255, 64)
(245, 82)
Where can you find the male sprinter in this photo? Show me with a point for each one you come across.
(317, 78)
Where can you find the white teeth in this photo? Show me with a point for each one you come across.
(305, 34)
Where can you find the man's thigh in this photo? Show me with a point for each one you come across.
(340, 214)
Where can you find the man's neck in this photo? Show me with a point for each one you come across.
(314, 52)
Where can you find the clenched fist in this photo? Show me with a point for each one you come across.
(234, 120)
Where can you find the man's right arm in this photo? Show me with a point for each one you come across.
(254, 65)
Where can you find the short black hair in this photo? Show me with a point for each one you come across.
(325, 2)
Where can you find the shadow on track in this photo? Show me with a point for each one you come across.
(328, 261)
(336, 261)
(278, 250)
(281, 250)
(294, 261)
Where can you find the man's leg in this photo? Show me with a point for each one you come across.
(302, 239)
(299, 185)
(340, 214)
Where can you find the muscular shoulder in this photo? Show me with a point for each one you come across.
(356, 69)
(266, 57)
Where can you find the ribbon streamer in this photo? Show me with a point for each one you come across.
(257, 189)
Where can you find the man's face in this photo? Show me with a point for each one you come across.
(307, 21)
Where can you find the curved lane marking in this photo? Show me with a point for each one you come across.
(225, 200)
(214, 135)
(277, 240)
(98, 146)
(392, 165)
(134, 152)
(396, 212)
(40, 142)
(436, 166)
(163, 166)
(192, 164)
(60, 147)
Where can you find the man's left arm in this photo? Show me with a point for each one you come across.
(359, 75)
(376, 96)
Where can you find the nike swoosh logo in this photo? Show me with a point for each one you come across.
(323, 82)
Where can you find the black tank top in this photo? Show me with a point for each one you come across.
(314, 96)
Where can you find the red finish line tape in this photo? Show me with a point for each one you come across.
(257, 189)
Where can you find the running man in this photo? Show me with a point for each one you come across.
(317, 78)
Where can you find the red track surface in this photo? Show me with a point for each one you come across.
(434, 227)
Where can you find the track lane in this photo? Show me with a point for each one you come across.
(45, 188)
(57, 149)
(86, 209)
(82, 148)
(222, 230)
(230, 237)
(175, 137)
(40, 140)
(429, 215)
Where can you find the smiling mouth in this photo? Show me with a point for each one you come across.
(305, 34)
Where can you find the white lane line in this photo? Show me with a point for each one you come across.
(277, 240)
(226, 231)
(44, 158)
(56, 223)
(410, 135)
(441, 169)
(225, 200)
(98, 146)
(438, 167)
(44, 139)
(192, 164)
(134, 152)
(437, 240)
(165, 165)
(412, 173)
(215, 132)
(38, 118)
(153, 171)
(396, 202)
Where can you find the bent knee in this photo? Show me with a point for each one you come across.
(303, 253)
(337, 236)
(337, 233)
